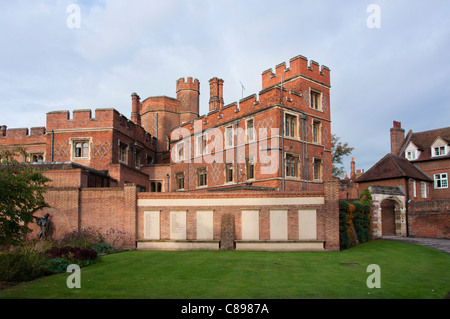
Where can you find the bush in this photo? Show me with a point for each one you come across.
(57, 265)
(104, 248)
(22, 264)
(72, 253)
(84, 238)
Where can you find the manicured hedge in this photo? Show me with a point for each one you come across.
(354, 218)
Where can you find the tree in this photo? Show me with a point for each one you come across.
(22, 188)
(338, 151)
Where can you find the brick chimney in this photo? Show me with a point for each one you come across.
(397, 138)
(216, 94)
(352, 169)
(135, 109)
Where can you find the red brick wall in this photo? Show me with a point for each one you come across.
(111, 211)
(429, 219)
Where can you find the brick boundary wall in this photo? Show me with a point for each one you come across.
(429, 219)
(114, 212)
(110, 211)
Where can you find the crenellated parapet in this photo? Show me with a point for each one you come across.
(14, 133)
(299, 66)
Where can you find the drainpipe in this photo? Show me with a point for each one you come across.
(282, 149)
(236, 124)
(304, 146)
(51, 151)
(406, 206)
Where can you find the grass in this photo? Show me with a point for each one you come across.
(407, 271)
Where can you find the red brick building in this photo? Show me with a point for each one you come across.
(414, 199)
(265, 160)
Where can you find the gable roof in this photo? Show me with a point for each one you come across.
(391, 166)
(424, 140)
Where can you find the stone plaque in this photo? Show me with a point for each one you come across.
(307, 226)
(178, 225)
(152, 224)
(250, 224)
(205, 224)
(278, 225)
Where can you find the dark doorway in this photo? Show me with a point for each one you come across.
(388, 217)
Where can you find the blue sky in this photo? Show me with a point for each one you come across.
(399, 72)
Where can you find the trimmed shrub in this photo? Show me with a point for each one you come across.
(354, 217)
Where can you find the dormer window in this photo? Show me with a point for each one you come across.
(411, 155)
(439, 148)
(439, 151)
(412, 152)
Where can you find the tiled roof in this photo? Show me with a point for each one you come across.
(392, 166)
(424, 140)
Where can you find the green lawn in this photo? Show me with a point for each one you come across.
(407, 271)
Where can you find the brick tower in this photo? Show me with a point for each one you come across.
(188, 93)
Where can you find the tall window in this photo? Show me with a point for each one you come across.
(290, 126)
(229, 141)
(315, 100)
(201, 145)
(123, 153)
(250, 168)
(423, 189)
(440, 181)
(317, 166)
(229, 172)
(316, 132)
(180, 180)
(202, 177)
(250, 131)
(291, 166)
(180, 152)
(137, 158)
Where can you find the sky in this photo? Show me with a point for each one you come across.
(387, 64)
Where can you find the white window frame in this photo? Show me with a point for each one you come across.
(423, 189)
(441, 178)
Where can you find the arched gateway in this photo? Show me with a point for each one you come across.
(389, 213)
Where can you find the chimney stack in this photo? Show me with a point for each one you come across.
(397, 138)
(216, 94)
(3, 130)
(352, 169)
(135, 109)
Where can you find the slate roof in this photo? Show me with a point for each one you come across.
(392, 166)
(424, 140)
